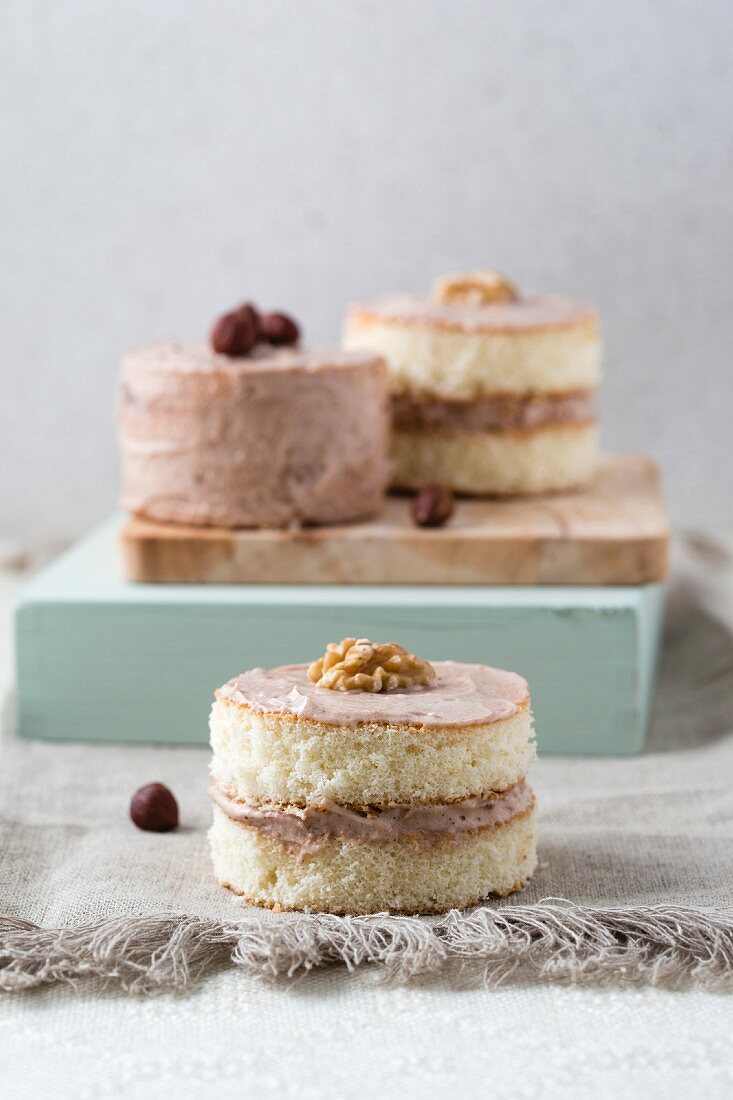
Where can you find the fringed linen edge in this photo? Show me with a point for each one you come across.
(553, 940)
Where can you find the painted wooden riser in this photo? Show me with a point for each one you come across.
(106, 660)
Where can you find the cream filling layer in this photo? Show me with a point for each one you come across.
(307, 827)
(494, 413)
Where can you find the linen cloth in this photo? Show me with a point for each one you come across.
(620, 833)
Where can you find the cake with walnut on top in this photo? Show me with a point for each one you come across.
(492, 390)
(372, 780)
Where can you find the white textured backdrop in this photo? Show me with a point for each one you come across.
(161, 161)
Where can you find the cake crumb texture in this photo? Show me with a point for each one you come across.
(291, 760)
(463, 366)
(405, 876)
(502, 463)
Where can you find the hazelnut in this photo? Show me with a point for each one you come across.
(433, 506)
(278, 329)
(154, 808)
(249, 312)
(235, 333)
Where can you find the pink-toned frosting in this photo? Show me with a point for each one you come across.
(494, 413)
(461, 695)
(528, 313)
(307, 827)
(275, 439)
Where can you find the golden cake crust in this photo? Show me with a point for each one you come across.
(532, 313)
(277, 907)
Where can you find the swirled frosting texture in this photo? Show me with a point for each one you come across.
(461, 695)
(276, 439)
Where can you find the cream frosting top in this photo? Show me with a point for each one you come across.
(191, 358)
(460, 695)
(530, 312)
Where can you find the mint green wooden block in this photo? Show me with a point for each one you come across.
(103, 659)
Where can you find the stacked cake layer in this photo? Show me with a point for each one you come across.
(488, 396)
(408, 800)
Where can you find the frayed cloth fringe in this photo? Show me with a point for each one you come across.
(553, 940)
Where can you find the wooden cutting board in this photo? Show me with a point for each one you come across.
(615, 532)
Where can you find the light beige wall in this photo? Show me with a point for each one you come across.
(162, 161)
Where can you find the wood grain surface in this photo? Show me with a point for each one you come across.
(614, 532)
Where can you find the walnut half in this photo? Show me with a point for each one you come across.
(360, 665)
(474, 288)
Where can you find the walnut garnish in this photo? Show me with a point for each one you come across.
(360, 665)
(474, 288)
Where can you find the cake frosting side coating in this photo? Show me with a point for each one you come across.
(274, 439)
(461, 695)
